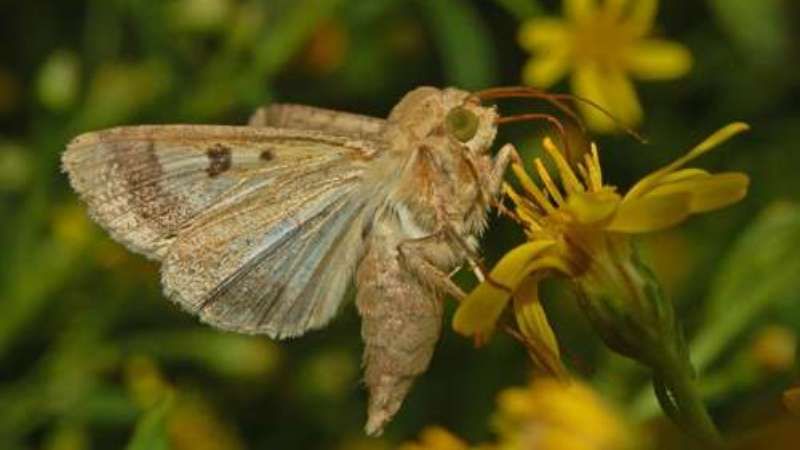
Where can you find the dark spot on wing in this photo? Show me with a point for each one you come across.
(267, 154)
(219, 159)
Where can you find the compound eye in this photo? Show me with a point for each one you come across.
(461, 123)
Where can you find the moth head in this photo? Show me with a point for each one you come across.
(450, 114)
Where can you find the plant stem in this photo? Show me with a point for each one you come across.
(680, 395)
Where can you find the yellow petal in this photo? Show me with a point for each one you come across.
(545, 70)
(708, 192)
(579, 10)
(543, 34)
(532, 321)
(621, 98)
(590, 208)
(479, 312)
(653, 179)
(683, 174)
(641, 16)
(656, 59)
(586, 83)
(650, 213)
(440, 439)
(610, 89)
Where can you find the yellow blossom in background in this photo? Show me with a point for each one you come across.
(579, 230)
(774, 347)
(71, 228)
(194, 425)
(553, 415)
(436, 438)
(602, 44)
(548, 414)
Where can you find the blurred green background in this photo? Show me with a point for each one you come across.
(92, 356)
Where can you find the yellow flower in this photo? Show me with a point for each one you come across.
(436, 438)
(773, 349)
(580, 231)
(552, 415)
(602, 43)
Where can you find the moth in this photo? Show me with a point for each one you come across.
(261, 228)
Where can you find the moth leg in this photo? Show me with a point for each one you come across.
(412, 253)
(507, 154)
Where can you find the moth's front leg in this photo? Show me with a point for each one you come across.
(413, 254)
(507, 154)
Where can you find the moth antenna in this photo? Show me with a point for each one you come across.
(539, 116)
(628, 130)
(556, 100)
(524, 92)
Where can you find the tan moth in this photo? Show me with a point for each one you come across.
(260, 228)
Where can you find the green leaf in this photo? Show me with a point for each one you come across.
(151, 431)
(288, 33)
(760, 271)
(463, 41)
(757, 27)
(521, 9)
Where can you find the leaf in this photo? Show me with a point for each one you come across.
(151, 431)
(521, 9)
(288, 33)
(760, 271)
(463, 41)
(758, 27)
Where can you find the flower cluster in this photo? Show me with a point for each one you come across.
(547, 414)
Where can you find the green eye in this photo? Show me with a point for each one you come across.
(461, 123)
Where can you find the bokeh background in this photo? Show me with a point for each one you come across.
(92, 356)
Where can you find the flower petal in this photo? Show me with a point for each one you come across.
(533, 324)
(656, 59)
(590, 208)
(708, 192)
(653, 179)
(579, 10)
(641, 16)
(543, 34)
(651, 213)
(683, 174)
(545, 70)
(478, 313)
(610, 89)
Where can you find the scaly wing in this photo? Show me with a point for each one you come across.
(258, 228)
(286, 115)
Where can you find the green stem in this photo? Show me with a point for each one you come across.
(681, 395)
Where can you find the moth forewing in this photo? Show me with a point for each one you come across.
(246, 220)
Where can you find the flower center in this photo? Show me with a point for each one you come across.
(603, 39)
